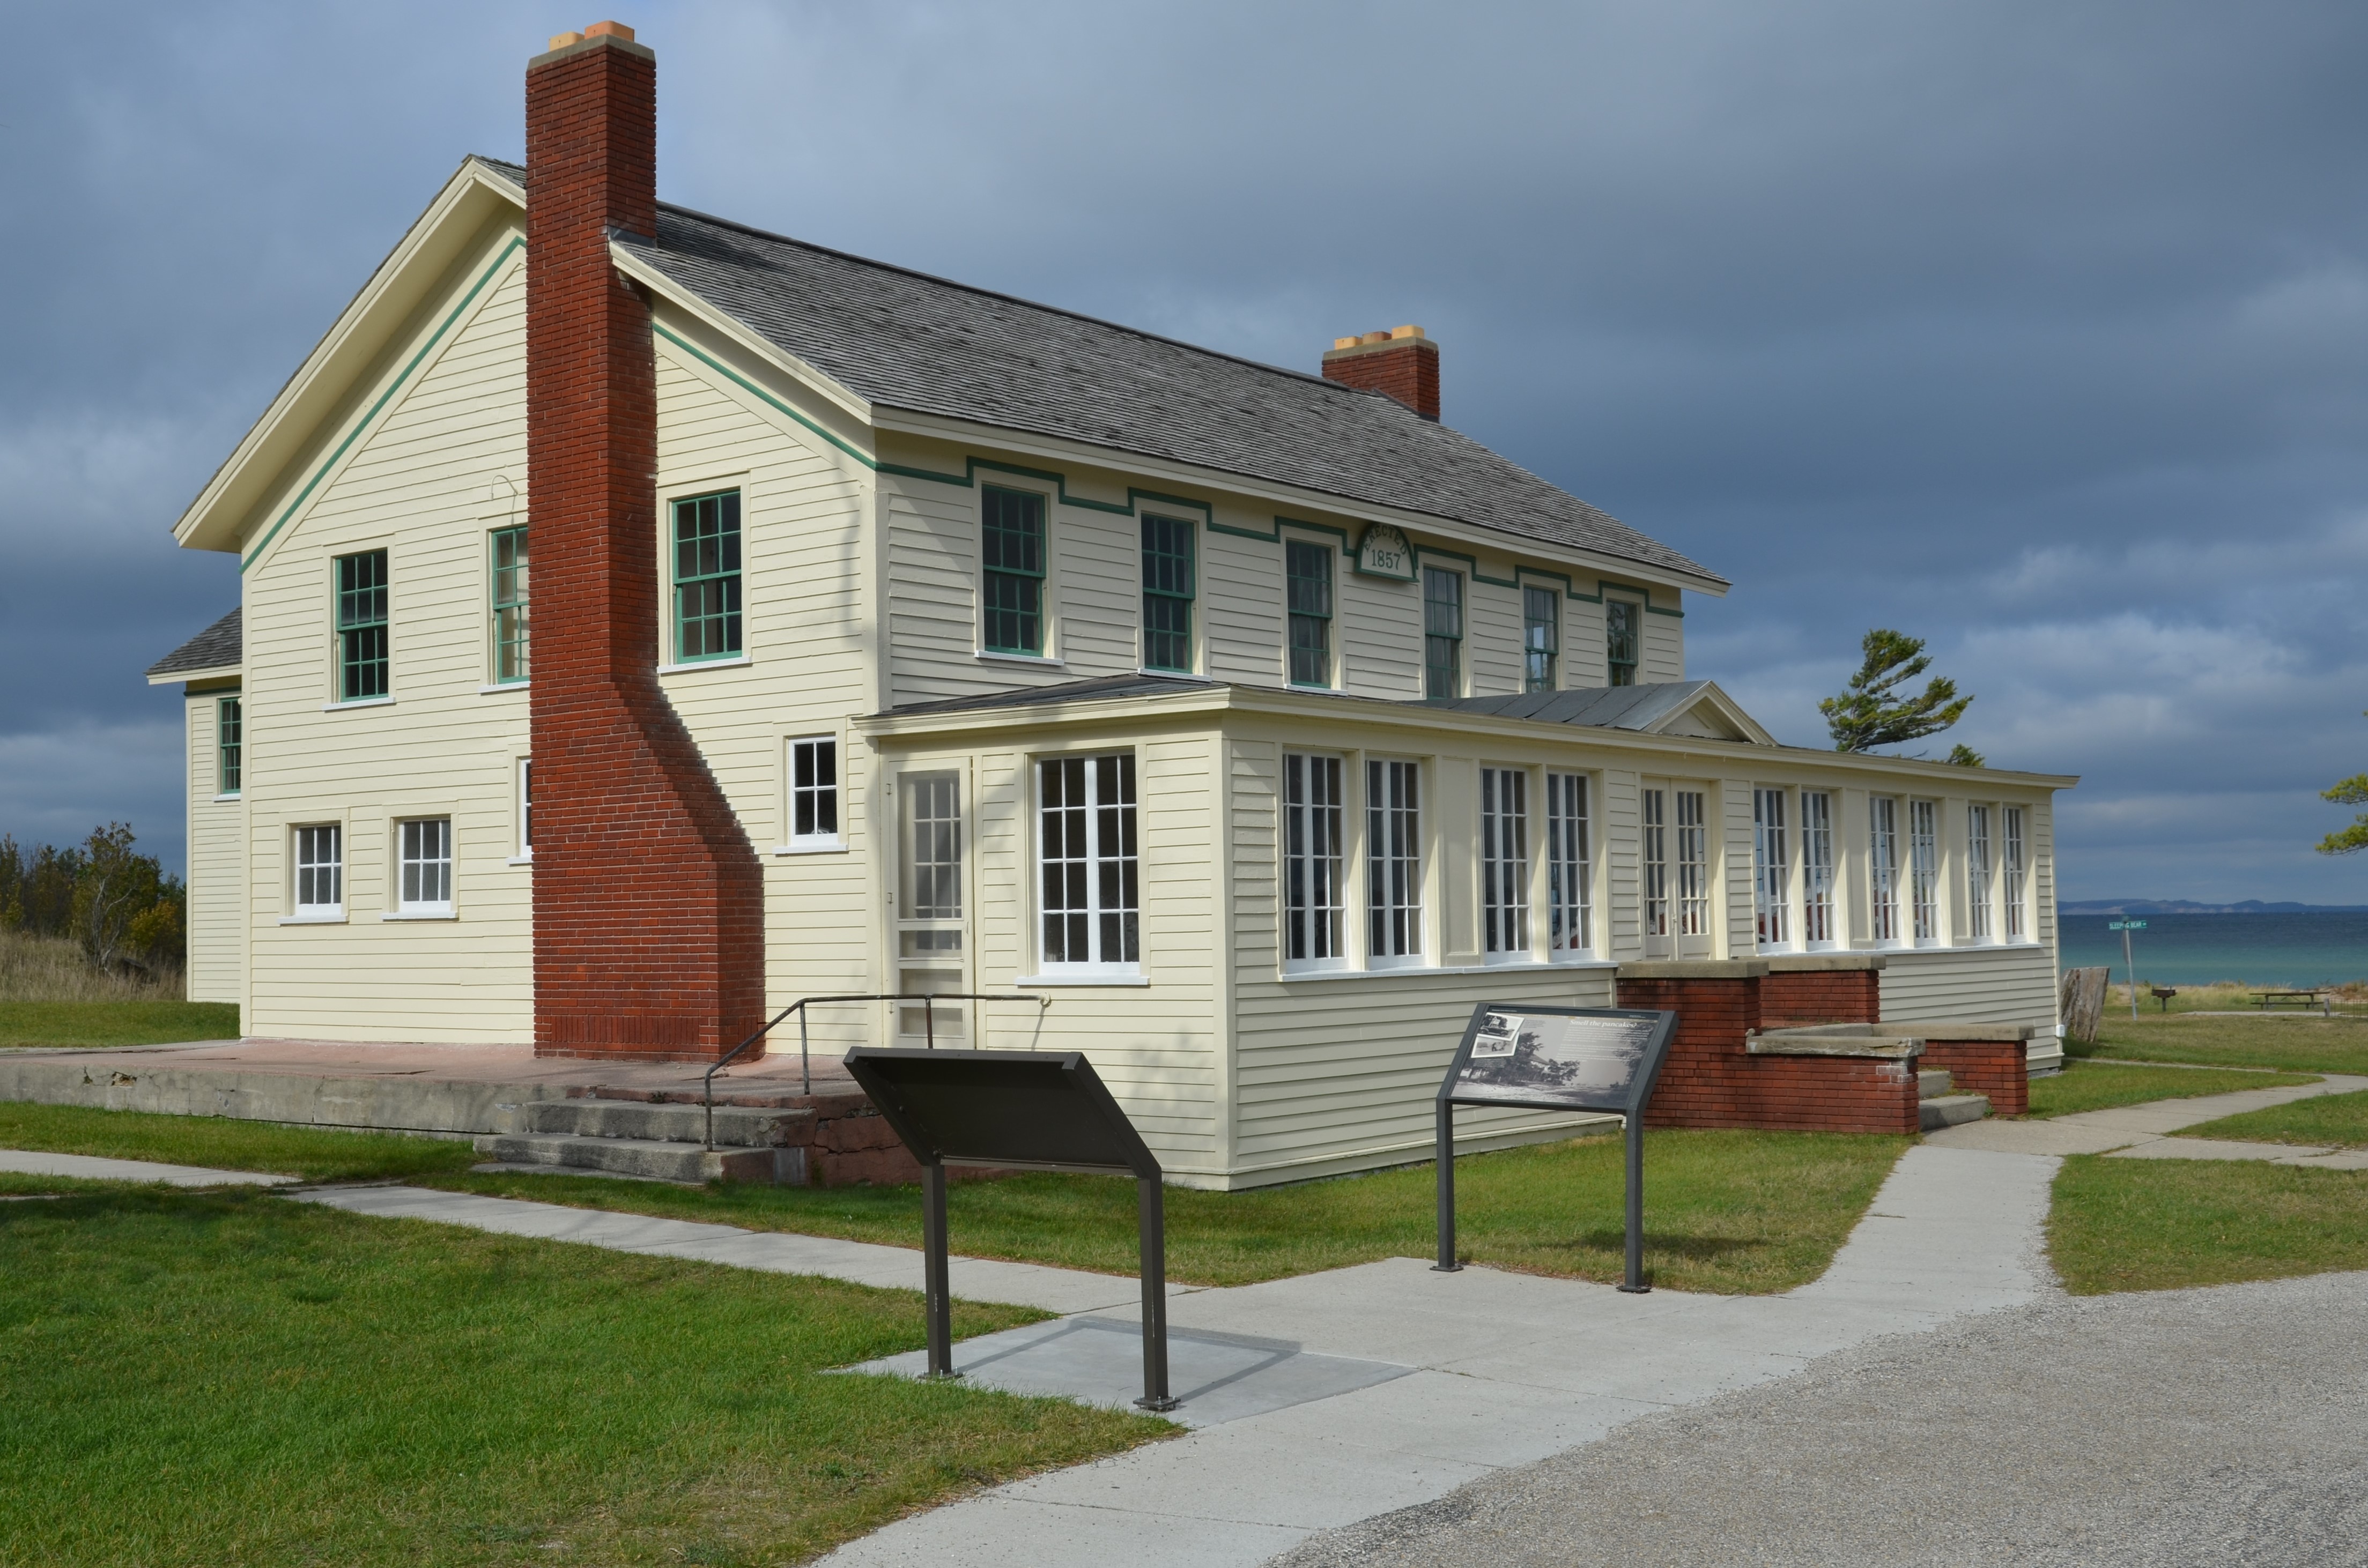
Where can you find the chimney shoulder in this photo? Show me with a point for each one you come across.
(1402, 365)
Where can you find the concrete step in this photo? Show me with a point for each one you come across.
(1950, 1110)
(736, 1126)
(1931, 1083)
(659, 1159)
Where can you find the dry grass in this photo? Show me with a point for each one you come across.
(50, 968)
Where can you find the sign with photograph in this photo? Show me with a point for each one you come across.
(1384, 552)
(1599, 1059)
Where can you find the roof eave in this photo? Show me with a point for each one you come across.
(179, 677)
(692, 304)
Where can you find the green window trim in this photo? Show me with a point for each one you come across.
(1442, 635)
(508, 591)
(706, 601)
(1167, 585)
(1540, 637)
(1620, 640)
(1307, 599)
(230, 745)
(1011, 576)
(362, 661)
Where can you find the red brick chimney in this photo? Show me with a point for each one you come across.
(1402, 363)
(648, 899)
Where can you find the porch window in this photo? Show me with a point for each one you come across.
(1978, 892)
(1619, 639)
(1882, 866)
(813, 793)
(929, 926)
(2015, 863)
(230, 750)
(1693, 865)
(1166, 594)
(1442, 633)
(1314, 882)
(707, 577)
(1307, 570)
(1771, 882)
(425, 855)
(508, 592)
(320, 871)
(1924, 869)
(1505, 862)
(361, 626)
(1393, 862)
(1817, 867)
(1086, 851)
(1569, 868)
(1540, 637)
(1655, 830)
(1012, 549)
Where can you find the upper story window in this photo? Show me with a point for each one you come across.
(1442, 632)
(1085, 850)
(1924, 868)
(1569, 870)
(1307, 571)
(2013, 865)
(1622, 619)
(508, 596)
(320, 871)
(1316, 904)
(1883, 868)
(424, 853)
(813, 793)
(1771, 882)
(230, 749)
(1393, 862)
(1166, 594)
(361, 626)
(707, 577)
(1979, 894)
(1011, 554)
(1540, 637)
(1817, 867)
(1505, 862)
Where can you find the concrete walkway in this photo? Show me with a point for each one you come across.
(2144, 1132)
(93, 1169)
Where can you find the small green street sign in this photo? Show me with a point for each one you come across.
(2126, 925)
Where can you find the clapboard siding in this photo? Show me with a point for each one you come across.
(216, 838)
(2004, 984)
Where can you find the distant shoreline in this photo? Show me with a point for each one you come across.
(2185, 906)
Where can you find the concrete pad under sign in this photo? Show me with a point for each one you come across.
(90, 1168)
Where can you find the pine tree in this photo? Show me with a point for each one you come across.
(1871, 711)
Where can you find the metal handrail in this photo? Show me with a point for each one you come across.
(805, 1061)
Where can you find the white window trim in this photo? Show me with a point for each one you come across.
(358, 702)
(1528, 951)
(793, 842)
(1789, 896)
(1424, 958)
(522, 850)
(426, 909)
(319, 914)
(1346, 885)
(1835, 940)
(1093, 972)
(503, 686)
(1036, 661)
(1410, 972)
(739, 661)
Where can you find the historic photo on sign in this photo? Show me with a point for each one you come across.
(1528, 1059)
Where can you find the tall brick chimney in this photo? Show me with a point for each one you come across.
(648, 899)
(1402, 363)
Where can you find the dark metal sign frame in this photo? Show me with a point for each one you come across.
(1017, 1111)
(1625, 1101)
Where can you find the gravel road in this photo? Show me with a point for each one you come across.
(2226, 1426)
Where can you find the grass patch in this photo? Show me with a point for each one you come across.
(202, 1379)
(2298, 1045)
(223, 1142)
(2165, 1224)
(87, 1024)
(1732, 1212)
(2095, 1086)
(2338, 1119)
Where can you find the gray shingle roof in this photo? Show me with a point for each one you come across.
(217, 647)
(1602, 707)
(911, 341)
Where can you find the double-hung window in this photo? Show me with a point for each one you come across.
(1882, 866)
(1619, 639)
(1505, 862)
(1316, 904)
(813, 793)
(1817, 867)
(1307, 579)
(1011, 552)
(707, 577)
(509, 593)
(361, 627)
(1924, 868)
(1167, 593)
(1394, 863)
(230, 745)
(1086, 850)
(423, 856)
(1693, 864)
(1772, 878)
(2014, 866)
(320, 871)
(1569, 870)
(1979, 894)
(1442, 633)
(1540, 637)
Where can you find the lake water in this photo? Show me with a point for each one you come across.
(2196, 949)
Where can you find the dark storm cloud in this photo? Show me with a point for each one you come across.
(2036, 330)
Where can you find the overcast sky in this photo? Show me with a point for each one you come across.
(2036, 330)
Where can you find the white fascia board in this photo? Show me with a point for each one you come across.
(1055, 449)
(724, 326)
(469, 202)
(1726, 707)
(182, 677)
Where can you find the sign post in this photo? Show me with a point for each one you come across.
(1601, 1059)
(2125, 928)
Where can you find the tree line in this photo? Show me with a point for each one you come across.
(123, 908)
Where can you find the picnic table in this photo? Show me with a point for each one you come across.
(2292, 999)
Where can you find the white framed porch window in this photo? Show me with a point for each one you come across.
(1570, 873)
(930, 925)
(1505, 864)
(1817, 868)
(1979, 894)
(1394, 937)
(1693, 865)
(1090, 918)
(2017, 928)
(320, 890)
(1652, 810)
(1924, 869)
(1315, 901)
(424, 866)
(1883, 868)
(1771, 869)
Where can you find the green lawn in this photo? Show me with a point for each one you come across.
(2164, 1224)
(2338, 1119)
(115, 1023)
(226, 1144)
(1735, 1213)
(207, 1379)
(2301, 1045)
(2094, 1086)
